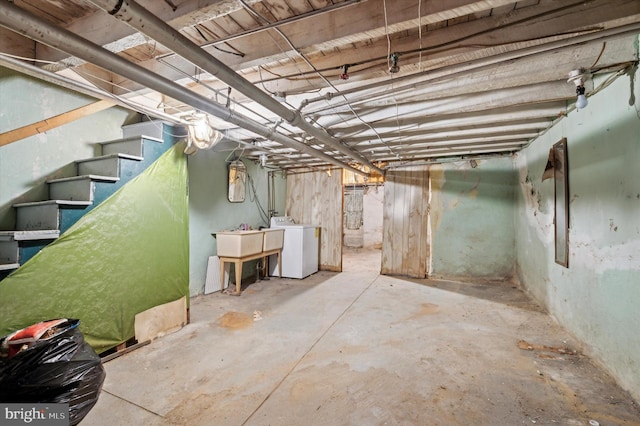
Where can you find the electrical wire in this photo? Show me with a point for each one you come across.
(257, 15)
(306, 60)
(253, 197)
(420, 34)
(604, 45)
(395, 100)
(85, 74)
(28, 59)
(386, 32)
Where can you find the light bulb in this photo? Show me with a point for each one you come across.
(263, 160)
(582, 102)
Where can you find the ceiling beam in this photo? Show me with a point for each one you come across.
(328, 27)
(551, 18)
(115, 36)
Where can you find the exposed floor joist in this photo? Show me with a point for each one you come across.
(475, 78)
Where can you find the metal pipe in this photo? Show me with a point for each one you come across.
(83, 88)
(290, 20)
(447, 72)
(147, 23)
(25, 23)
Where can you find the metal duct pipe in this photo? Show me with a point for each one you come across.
(23, 22)
(147, 23)
(83, 88)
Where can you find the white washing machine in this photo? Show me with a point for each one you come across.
(299, 249)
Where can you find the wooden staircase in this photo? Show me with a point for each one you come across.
(39, 223)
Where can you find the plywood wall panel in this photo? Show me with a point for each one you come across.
(405, 244)
(316, 198)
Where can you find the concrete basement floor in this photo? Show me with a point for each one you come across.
(358, 348)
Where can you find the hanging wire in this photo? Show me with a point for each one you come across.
(386, 32)
(420, 34)
(306, 60)
(217, 92)
(395, 99)
(260, 17)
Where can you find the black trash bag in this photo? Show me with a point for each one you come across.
(58, 368)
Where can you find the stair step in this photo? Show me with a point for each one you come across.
(9, 266)
(16, 247)
(9, 251)
(41, 234)
(43, 215)
(105, 165)
(70, 203)
(83, 177)
(133, 145)
(76, 188)
(154, 128)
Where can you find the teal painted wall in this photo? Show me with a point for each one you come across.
(26, 164)
(210, 211)
(472, 219)
(598, 297)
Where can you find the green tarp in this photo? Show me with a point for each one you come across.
(125, 256)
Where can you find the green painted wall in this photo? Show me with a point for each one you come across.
(127, 255)
(210, 211)
(472, 219)
(598, 297)
(26, 164)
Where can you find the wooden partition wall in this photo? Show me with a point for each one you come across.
(405, 240)
(316, 198)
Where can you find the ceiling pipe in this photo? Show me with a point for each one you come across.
(450, 71)
(290, 20)
(147, 23)
(85, 89)
(25, 23)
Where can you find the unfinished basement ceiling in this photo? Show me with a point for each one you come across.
(473, 79)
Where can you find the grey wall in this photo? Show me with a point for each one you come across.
(26, 164)
(597, 297)
(472, 219)
(210, 211)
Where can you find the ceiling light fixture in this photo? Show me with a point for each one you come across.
(345, 72)
(200, 134)
(394, 68)
(578, 77)
(263, 159)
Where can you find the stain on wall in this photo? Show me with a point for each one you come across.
(596, 298)
(472, 219)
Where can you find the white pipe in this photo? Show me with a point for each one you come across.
(23, 22)
(147, 23)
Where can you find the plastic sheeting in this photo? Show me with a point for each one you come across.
(125, 256)
(61, 368)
